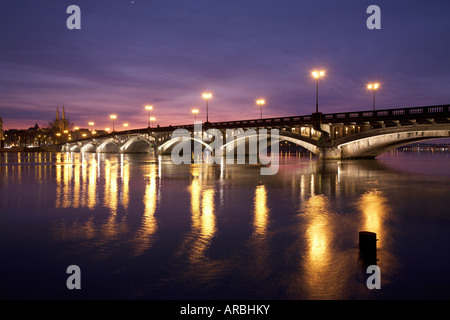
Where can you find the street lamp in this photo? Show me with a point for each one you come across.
(317, 74)
(125, 125)
(113, 117)
(373, 87)
(195, 112)
(207, 96)
(260, 102)
(91, 124)
(152, 119)
(149, 108)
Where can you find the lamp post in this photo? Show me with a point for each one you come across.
(113, 117)
(149, 109)
(260, 102)
(207, 96)
(317, 75)
(373, 87)
(195, 112)
(152, 119)
(90, 125)
(125, 125)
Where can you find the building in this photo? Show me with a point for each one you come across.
(61, 123)
(58, 131)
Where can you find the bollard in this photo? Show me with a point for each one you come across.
(368, 246)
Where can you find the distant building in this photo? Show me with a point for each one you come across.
(61, 123)
(58, 131)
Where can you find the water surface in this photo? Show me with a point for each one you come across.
(140, 227)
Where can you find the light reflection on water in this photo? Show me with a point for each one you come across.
(261, 210)
(149, 229)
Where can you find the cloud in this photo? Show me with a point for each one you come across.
(168, 52)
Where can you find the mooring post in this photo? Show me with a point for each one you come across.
(368, 246)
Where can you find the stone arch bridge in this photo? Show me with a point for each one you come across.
(363, 134)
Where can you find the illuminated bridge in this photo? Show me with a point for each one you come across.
(345, 135)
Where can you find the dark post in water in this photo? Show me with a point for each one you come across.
(368, 247)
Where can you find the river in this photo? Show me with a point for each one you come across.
(140, 227)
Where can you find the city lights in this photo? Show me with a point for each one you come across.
(260, 102)
(149, 109)
(373, 87)
(317, 74)
(207, 96)
(113, 117)
(195, 112)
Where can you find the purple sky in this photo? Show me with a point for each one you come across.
(167, 52)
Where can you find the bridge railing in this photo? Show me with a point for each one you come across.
(431, 111)
(425, 111)
(262, 122)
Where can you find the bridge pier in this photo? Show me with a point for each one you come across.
(330, 153)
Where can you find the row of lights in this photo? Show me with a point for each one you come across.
(317, 74)
(149, 108)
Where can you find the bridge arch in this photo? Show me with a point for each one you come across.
(308, 144)
(88, 147)
(378, 143)
(108, 146)
(167, 146)
(138, 145)
(74, 148)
